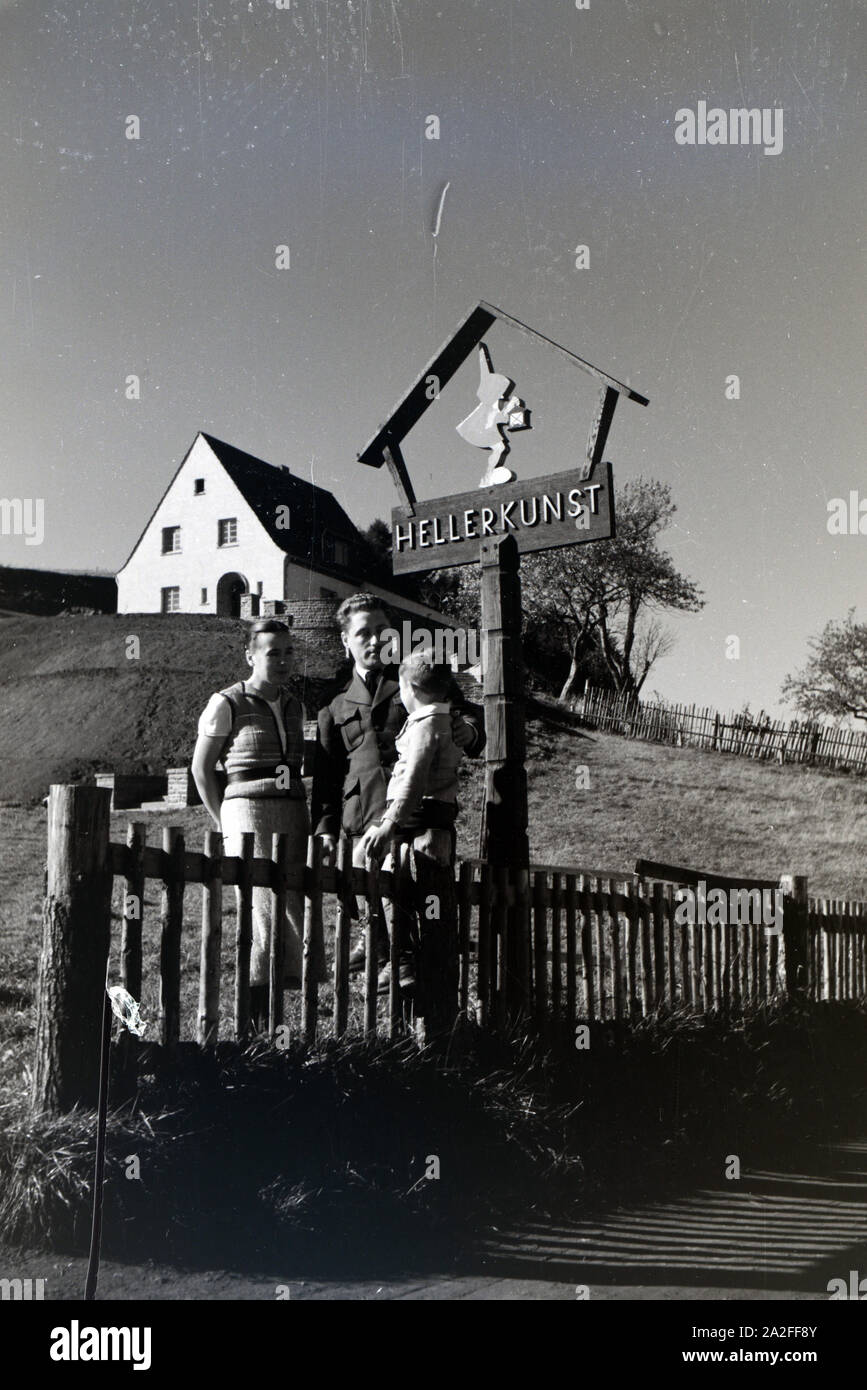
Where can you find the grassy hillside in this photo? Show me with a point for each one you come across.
(694, 807)
(73, 702)
(51, 591)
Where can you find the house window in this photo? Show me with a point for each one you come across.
(204, 597)
(171, 600)
(227, 531)
(171, 539)
(199, 486)
(327, 593)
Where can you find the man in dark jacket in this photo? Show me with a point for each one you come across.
(355, 750)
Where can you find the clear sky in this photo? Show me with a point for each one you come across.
(305, 126)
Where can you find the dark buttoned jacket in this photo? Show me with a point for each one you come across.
(355, 752)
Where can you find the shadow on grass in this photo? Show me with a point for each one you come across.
(356, 1159)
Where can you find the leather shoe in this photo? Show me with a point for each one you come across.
(358, 956)
(405, 976)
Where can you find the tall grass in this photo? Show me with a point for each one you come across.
(325, 1156)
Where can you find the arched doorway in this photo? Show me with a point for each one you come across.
(229, 591)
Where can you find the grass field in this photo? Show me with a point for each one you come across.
(689, 806)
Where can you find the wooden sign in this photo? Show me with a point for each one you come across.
(493, 525)
(541, 513)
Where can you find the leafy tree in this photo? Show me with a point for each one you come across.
(376, 550)
(834, 681)
(375, 554)
(613, 590)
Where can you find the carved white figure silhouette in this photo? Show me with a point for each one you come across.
(499, 410)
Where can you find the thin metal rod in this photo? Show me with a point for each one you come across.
(99, 1165)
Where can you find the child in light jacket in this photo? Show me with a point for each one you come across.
(421, 806)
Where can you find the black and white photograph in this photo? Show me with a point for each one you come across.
(433, 700)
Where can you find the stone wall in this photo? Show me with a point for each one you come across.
(182, 790)
(130, 789)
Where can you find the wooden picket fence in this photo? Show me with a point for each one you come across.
(837, 967)
(748, 736)
(553, 946)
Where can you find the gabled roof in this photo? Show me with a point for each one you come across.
(312, 509)
(264, 488)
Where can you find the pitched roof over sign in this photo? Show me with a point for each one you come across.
(312, 509)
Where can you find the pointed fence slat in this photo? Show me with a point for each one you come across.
(644, 923)
(312, 937)
(276, 956)
(133, 910)
(342, 925)
(465, 912)
(618, 959)
(556, 950)
(540, 949)
(401, 901)
(374, 926)
(500, 943)
(675, 978)
(571, 953)
(657, 913)
(171, 924)
(243, 935)
(598, 947)
(212, 941)
(484, 971)
(585, 900)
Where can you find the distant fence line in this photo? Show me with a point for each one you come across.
(572, 945)
(748, 736)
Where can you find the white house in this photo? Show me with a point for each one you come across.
(230, 525)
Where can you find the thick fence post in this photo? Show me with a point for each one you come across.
(75, 944)
(795, 934)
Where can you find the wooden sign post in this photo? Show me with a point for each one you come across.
(503, 838)
(493, 525)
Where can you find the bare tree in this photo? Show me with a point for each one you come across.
(609, 587)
